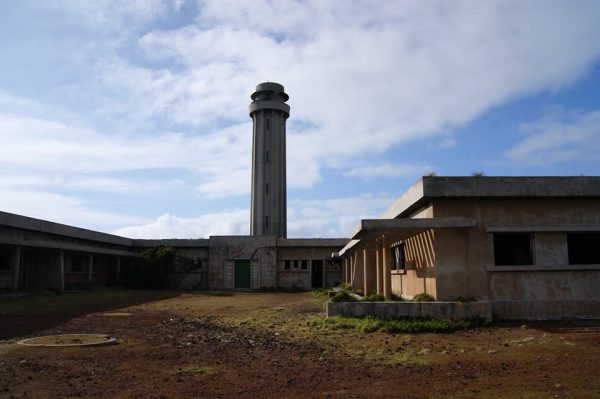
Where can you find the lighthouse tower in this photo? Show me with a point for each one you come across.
(269, 113)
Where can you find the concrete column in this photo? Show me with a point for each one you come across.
(387, 270)
(90, 271)
(16, 268)
(352, 270)
(60, 275)
(378, 267)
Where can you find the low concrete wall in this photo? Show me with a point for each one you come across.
(546, 310)
(446, 310)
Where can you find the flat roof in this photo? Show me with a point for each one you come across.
(431, 187)
(311, 242)
(44, 226)
(397, 229)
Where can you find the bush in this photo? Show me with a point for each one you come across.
(151, 269)
(374, 298)
(423, 297)
(343, 296)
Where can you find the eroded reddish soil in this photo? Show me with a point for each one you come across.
(259, 345)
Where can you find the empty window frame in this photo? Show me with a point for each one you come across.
(584, 248)
(268, 124)
(398, 258)
(513, 249)
(296, 264)
(266, 188)
(78, 264)
(266, 222)
(5, 259)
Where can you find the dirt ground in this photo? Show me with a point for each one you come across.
(246, 345)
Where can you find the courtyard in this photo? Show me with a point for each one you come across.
(230, 344)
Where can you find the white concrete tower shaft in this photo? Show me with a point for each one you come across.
(269, 114)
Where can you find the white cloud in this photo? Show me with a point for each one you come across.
(335, 217)
(61, 209)
(81, 156)
(387, 170)
(558, 138)
(235, 222)
(365, 76)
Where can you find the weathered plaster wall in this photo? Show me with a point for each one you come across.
(224, 250)
(302, 279)
(420, 259)
(551, 277)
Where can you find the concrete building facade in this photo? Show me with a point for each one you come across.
(37, 255)
(528, 245)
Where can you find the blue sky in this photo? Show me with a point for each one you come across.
(132, 116)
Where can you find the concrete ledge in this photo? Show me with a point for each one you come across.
(438, 310)
(546, 310)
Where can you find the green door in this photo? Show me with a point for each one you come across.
(242, 274)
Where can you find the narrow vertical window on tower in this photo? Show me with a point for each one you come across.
(268, 124)
(266, 222)
(267, 156)
(267, 189)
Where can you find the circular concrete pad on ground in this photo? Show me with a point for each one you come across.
(66, 340)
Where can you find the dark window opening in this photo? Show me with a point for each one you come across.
(267, 156)
(398, 258)
(584, 248)
(287, 265)
(304, 264)
(5, 259)
(266, 222)
(512, 249)
(78, 264)
(268, 124)
(267, 189)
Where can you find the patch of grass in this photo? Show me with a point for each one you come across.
(321, 293)
(372, 324)
(374, 298)
(78, 302)
(343, 296)
(423, 297)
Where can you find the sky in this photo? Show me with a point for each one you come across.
(131, 116)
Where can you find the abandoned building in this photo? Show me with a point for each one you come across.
(529, 247)
(37, 254)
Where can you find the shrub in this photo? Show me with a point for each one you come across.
(396, 297)
(151, 269)
(374, 298)
(423, 297)
(345, 286)
(343, 296)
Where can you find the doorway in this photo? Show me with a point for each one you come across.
(242, 274)
(317, 273)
